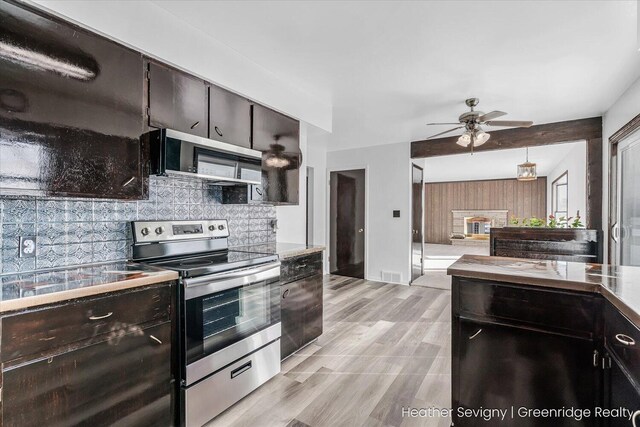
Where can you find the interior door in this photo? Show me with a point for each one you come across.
(347, 223)
(626, 232)
(417, 240)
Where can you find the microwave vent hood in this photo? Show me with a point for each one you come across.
(174, 153)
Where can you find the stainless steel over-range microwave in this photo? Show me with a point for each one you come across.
(178, 153)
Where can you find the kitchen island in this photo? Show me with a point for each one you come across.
(544, 335)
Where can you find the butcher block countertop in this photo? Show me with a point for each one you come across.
(619, 284)
(30, 289)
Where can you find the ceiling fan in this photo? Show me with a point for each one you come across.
(471, 122)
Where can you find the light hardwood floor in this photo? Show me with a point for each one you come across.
(384, 347)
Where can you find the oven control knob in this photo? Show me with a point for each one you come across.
(212, 228)
(145, 231)
(159, 230)
(221, 227)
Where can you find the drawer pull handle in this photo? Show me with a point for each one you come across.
(625, 340)
(298, 267)
(475, 335)
(47, 339)
(155, 339)
(241, 369)
(101, 317)
(285, 293)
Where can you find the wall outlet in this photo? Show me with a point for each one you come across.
(27, 247)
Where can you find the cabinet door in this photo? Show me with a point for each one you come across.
(621, 393)
(229, 117)
(499, 367)
(71, 110)
(177, 101)
(125, 379)
(278, 137)
(291, 318)
(313, 308)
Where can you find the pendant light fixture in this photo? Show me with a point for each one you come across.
(527, 170)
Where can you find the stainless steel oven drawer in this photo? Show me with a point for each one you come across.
(211, 396)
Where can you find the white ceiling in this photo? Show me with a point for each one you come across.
(495, 164)
(389, 67)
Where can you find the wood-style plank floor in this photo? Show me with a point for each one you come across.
(384, 347)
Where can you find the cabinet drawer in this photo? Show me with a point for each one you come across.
(35, 331)
(554, 310)
(622, 338)
(300, 267)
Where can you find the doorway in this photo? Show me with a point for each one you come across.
(417, 204)
(625, 232)
(347, 223)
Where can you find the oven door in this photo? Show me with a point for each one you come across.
(227, 316)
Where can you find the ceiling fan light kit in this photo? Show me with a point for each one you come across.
(470, 121)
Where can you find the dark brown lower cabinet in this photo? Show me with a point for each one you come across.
(511, 351)
(120, 376)
(501, 367)
(291, 318)
(301, 307)
(621, 392)
(123, 379)
(301, 313)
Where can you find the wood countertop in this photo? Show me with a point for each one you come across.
(31, 289)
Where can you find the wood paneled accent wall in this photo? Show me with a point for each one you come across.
(520, 198)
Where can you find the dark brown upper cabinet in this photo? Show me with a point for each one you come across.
(229, 117)
(177, 100)
(71, 110)
(278, 137)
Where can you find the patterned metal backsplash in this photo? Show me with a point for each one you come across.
(81, 231)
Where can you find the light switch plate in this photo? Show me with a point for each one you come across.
(27, 246)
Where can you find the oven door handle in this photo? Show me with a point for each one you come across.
(210, 284)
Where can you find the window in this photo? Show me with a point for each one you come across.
(560, 196)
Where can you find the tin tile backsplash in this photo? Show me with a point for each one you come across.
(81, 231)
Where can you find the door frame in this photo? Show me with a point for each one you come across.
(366, 214)
(619, 136)
(422, 218)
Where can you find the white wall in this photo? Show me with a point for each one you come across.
(619, 114)
(388, 176)
(146, 27)
(575, 163)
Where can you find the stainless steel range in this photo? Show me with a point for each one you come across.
(228, 312)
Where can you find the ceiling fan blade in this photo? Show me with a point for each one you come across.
(511, 123)
(431, 124)
(491, 115)
(446, 131)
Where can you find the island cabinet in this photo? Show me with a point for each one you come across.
(177, 100)
(621, 364)
(71, 110)
(517, 346)
(301, 304)
(96, 361)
